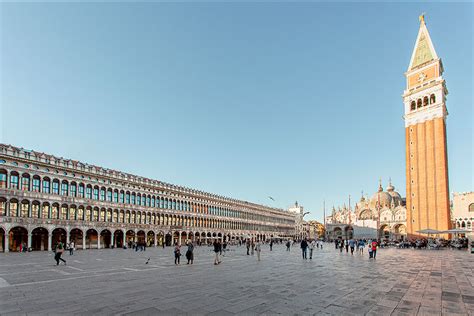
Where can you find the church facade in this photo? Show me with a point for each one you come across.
(383, 216)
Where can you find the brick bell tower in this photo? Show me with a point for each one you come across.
(425, 135)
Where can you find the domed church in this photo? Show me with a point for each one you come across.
(384, 212)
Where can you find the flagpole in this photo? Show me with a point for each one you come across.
(324, 218)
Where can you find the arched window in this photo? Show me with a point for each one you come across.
(80, 190)
(64, 188)
(55, 186)
(73, 189)
(3, 178)
(425, 101)
(418, 103)
(25, 182)
(432, 99)
(14, 180)
(471, 207)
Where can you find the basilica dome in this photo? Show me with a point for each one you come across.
(396, 197)
(384, 197)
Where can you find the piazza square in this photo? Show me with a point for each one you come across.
(119, 282)
(207, 158)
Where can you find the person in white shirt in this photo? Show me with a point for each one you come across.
(312, 244)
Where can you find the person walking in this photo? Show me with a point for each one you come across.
(311, 248)
(304, 246)
(58, 253)
(341, 245)
(288, 245)
(252, 247)
(190, 252)
(361, 245)
(271, 244)
(248, 247)
(177, 253)
(346, 244)
(217, 250)
(258, 249)
(374, 248)
(352, 244)
(71, 248)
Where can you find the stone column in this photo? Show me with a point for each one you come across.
(30, 235)
(179, 239)
(29, 210)
(154, 241)
(98, 240)
(50, 241)
(112, 237)
(83, 240)
(7, 212)
(7, 242)
(67, 237)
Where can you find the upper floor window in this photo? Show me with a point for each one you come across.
(46, 185)
(432, 99)
(102, 195)
(81, 190)
(73, 190)
(139, 200)
(122, 197)
(109, 196)
(55, 187)
(471, 207)
(116, 197)
(96, 194)
(89, 193)
(64, 188)
(3, 179)
(127, 198)
(25, 183)
(13, 181)
(36, 184)
(133, 198)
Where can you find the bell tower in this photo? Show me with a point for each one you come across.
(425, 135)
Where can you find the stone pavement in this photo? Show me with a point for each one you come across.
(106, 282)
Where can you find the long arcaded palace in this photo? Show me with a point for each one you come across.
(44, 199)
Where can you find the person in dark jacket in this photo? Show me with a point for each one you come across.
(190, 252)
(217, 250)
(304, 246)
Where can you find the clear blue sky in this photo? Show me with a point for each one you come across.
(297, 101)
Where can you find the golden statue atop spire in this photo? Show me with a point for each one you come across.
(422, 18)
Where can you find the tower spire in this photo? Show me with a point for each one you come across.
(424, 51)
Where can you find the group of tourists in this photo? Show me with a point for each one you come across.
(307, 244)
(189, 253)
(357, 245)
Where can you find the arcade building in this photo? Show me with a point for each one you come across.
(45, 199)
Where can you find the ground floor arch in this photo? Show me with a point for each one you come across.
(77, 236)
(39, 239)
(150, 238)
(105, 239)
(2, 239)
(92, 239)
(118, 238)
(18, 237)
(59, 235)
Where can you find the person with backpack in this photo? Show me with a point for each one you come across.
(59, 249)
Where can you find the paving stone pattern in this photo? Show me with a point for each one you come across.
(117, 281)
